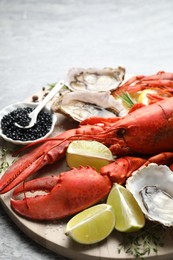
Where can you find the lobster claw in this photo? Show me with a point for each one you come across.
(67, 194)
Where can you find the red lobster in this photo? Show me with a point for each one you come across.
(162, 82)
(145, 131)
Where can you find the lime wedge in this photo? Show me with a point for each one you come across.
(128, 215)
(91, 225)
(88, 153)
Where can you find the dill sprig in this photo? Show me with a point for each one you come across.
(4, 164)
(125, 96)
(5, 159)
(51, 85)
(146, 241)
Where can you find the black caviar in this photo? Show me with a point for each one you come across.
(20, 116)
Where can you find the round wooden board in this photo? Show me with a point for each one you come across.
(51, 234)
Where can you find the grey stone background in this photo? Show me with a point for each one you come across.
(41, 40)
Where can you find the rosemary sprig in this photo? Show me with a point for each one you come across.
(125, 96)
(144, 242)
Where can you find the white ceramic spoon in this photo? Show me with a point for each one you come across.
(33, 115)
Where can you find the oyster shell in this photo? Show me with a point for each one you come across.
(92, 79)
(84, 104)
(151, 186)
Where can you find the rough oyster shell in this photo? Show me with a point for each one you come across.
(151, 186)
(93, 79)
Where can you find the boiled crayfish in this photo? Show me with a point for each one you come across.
(143, 136)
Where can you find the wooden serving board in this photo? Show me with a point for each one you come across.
(51, 234)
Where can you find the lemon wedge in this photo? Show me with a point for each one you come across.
(143, 96)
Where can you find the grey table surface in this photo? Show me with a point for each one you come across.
(41, 40)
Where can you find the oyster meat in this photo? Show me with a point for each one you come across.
(151, 186)
(92, 79)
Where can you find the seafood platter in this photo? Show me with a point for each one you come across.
(133, 117)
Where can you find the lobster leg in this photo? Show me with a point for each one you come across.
(68, 193)
(122, 168)
(161, 75)
(100, 120)
(161, 158)
(162, 82)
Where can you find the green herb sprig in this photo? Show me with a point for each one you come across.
(144, 242)
(5, 160)
(51, 85)
(4, 164)
(125, 96)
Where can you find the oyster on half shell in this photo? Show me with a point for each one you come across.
(151, 186)
(88, 93)
(84, 104)
(93, 79)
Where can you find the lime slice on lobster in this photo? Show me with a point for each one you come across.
(88, 153)
(91, 225)
(128, 215)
